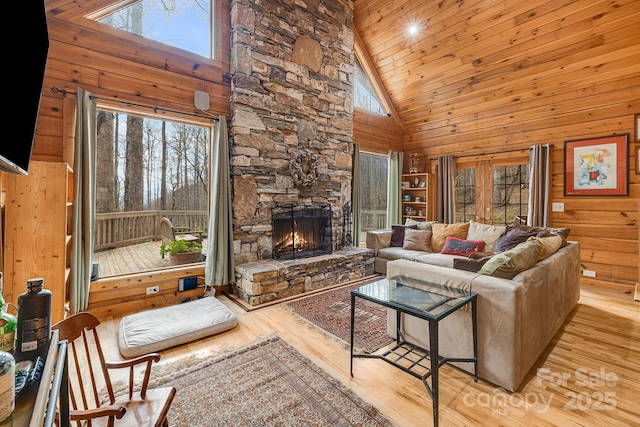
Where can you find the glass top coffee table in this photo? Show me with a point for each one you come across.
(428, 301)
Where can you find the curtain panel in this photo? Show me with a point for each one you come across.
(394, 190)
(539, 183)
(446, 207)
(83, 214)
(219, 267)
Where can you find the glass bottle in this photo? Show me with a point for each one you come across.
(7, 328)
(7, 384)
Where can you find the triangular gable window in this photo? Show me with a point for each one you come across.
(179, 23)
(364, 95)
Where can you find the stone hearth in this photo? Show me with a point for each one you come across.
(260, 282)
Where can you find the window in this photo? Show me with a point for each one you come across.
(373, 193)
(186, 24)
(465, 195)
(146, 169)
(364, 95)
(492, 192)
(510, 193)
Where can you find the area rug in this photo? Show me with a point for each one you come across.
(267, 383)
(331, 311)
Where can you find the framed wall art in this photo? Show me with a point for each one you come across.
(597, 166)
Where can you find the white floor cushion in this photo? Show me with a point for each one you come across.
(153, 330)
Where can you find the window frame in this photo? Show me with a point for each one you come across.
(215, 24)
(484, 181)
(185, 119)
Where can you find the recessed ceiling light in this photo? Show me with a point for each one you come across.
(413, 29)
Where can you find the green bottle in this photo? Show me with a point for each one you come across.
(8, 326)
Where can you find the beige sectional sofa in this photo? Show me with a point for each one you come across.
(517, 316)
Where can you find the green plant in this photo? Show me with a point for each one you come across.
(177, 246)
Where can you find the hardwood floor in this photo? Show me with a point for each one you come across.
(588, 376)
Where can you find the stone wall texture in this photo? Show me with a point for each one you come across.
(291, 90)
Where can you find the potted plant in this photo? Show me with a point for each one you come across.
(182, 251)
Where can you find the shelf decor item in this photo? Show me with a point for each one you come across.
(597, 166)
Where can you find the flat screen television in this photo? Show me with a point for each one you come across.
(15, 150)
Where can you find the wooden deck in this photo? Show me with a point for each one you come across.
(133, 259)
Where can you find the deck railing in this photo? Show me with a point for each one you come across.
(373, 220)
(119, 229)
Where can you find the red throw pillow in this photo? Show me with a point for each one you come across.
(456, 246)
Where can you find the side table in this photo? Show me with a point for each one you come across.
(428, 301)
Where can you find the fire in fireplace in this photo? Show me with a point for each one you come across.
(302, 231)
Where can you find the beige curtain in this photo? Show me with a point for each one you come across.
(355, 196)
(539, 182)
(446, 207)
(219, 266)
(394, 191)
(83, 215)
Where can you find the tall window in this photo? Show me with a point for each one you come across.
(465, 195)
(186, 24)
(147, 169)
(364, 95)
(373, 192)
(492, 191)
(510, 196)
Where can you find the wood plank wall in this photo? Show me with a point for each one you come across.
(515, 74)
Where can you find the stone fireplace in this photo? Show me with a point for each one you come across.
(290, 135)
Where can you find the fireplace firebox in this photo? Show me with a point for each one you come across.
(302, 231)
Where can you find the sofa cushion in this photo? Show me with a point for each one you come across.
(456, 246)
(441, 231)
(508, 264)
(421, 225)
(511, 238)
(438, 259)
(488, 233)
(397, 235)
(399, 253)
(417, 240)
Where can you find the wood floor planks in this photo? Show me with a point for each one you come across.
(589, 375)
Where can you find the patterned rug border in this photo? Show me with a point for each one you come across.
(165, 374)
(289, 306)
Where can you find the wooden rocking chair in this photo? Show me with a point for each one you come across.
(136, 406)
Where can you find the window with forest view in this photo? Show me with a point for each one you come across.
(146, 169)
(373, 193)
(510, 193)
(465, 195)
(186, 24)
(500, 201)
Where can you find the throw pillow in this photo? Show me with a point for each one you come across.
(456, 246)
(397, 235)
(472, 265)
(417, 240)
(441, 231)
(511, 238)
(548, 245)
(564, 232)
(508, 264)
(488, 233)
(421, 225)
